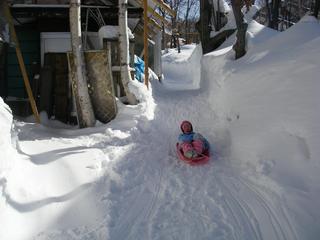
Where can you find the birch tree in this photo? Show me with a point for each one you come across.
(84, 108)
(124, 50)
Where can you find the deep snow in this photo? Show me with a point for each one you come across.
(123, 180)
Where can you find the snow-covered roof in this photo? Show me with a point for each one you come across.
(112, 32)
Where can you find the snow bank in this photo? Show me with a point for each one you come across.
(273, 90)
(182, 71)
(144, 96)
(7, 158)
(8, 165)
(269, 100)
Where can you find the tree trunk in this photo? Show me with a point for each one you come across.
(239, 46)
(300, 9)
(173, 41)
(316, 8)
(84, 108)
(186, 16)
(218, 16)
(268, 13)
(203, 25)
(124, 50)
(275, 14)
(220, 38)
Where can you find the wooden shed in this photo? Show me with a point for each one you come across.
(42, 28)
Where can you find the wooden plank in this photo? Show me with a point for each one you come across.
(155, 24)
(46, 88)
(151, 31)
(145, 43)
(165, 7)
(159, 17)
(156, 14)
(61, 86)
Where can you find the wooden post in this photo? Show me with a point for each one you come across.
(21, 62)
(145, 42)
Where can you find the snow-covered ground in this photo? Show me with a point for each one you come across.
(123, 180)
(182, 71)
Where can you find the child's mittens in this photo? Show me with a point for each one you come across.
(191, 154)
(198, 146)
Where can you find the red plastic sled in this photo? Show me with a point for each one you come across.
(203, 159)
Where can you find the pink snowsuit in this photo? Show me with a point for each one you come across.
(196, 145)
(191, 143)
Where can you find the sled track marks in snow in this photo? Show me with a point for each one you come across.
(244, 227)
(277, 215)
(183, 212)
(134, 219)
(157, 186)
(253, 214)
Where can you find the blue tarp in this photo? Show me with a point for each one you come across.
(139, 67)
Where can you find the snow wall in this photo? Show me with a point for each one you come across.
(6, 149)
(268, 103)
(184, 66)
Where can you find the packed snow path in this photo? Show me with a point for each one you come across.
(123, 180)
(132, 186)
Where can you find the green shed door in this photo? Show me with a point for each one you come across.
(29, 40)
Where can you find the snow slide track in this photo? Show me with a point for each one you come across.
(143, 201)
(274, 218)
(233, 204)
(253, 214)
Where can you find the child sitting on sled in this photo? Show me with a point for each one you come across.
(192, 144)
